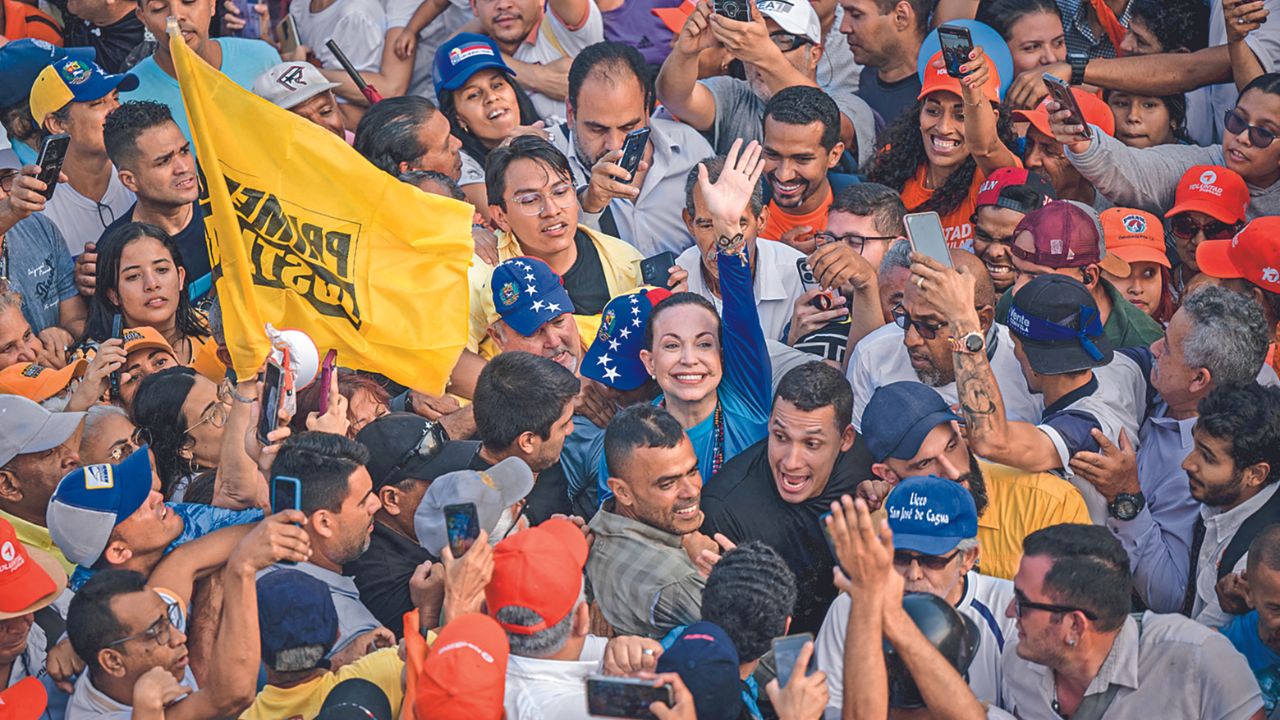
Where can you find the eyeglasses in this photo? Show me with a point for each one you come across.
(124, 448)
(1021, 604)
(1235, 124)
(533, 203)
(1186, 227)
(160, 631)
(904, 558)
(903, 319)
(428, 446)
(216, 414)
(787, 42)
(110, 216)
(858, 242)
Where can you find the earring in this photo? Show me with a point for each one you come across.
(1071, 642)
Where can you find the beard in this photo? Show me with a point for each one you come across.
(1219, 495)
(977, 485)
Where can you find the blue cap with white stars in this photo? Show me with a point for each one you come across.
(614, 356)
(527, 294)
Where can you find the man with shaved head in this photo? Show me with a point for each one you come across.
(917, 346)
(1256, 634)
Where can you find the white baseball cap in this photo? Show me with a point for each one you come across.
(25, 427)
(291, 83)
(794, 16)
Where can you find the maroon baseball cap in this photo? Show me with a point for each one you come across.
(1066, 234)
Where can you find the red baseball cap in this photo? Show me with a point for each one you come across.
(937, 80)
(1066, 234)
(1134, 235)
(30, 579)
(674, 17)
(1094, 110)
(1253, 255)
(539, 569)
(465, 672)
(991, 192)
(1213, 190)
(25, 700)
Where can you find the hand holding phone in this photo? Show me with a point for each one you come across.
(633, 147)
(957, 45)
(117, 331)
(624, 697)
(739, 10)
(286, 494)
(786, 651)
(656, 270)
(924, 231)
(327, 368)
(462, 526)
(53, 151)
(273, 389)
(1061, 93)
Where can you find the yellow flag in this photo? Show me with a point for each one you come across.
(311, 236)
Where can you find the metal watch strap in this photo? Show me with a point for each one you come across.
(1078, 61)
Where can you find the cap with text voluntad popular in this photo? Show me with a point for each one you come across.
(1253, 255)
(1215, 191)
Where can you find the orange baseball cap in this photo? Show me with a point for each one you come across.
(1134, 236)
(1253, 255)
(937, 80)
(1213, 190)
(142, 338)
(24, 700)
(539, 569)
(465, 672)
(674, 17)
(1094, 110)
(37, 382)
(30, 579)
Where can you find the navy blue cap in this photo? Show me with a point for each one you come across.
(91, 500)
(22, 60)
(706, 660)
(527, 294)
(614, 357)
(464, 55)
(930, 515)
(355, 699)
(295, 610)
(899, 416)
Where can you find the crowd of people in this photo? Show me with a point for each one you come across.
(735, 432)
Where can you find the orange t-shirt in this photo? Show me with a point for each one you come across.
(957, 224)
(780, 221)
(23, 21)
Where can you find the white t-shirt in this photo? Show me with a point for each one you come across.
(540, 689)
(472, 170)
(550, 33)
(82, 220)
(358, 26)
(880, 358)
(777, 283)
(984, 601)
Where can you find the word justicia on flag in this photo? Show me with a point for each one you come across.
(304, 233)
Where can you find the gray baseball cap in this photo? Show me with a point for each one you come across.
(25, 427)
(490, 490)
(291, 83)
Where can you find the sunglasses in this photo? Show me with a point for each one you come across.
(787, 42)
(1259, 136)
(903, 319)
(904, 558)
(1021, 604)
(428, 446)
(1186, 227)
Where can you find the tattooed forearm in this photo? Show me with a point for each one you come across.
(980, 401)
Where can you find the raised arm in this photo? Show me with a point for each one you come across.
(943, 690)
(550, 79)
(864, 550)
(980, 118)
(677, 85)
(1242, 18)
(179, 570)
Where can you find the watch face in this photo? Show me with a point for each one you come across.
(1125, 508)
(973, 342)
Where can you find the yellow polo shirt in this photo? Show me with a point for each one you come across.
(303, 701)
(1019, 504)
(37, 537)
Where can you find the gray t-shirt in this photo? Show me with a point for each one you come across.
(38, 264)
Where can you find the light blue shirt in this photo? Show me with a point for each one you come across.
(243, 60)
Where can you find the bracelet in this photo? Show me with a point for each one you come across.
(240, 398)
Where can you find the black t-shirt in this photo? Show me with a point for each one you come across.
(113, 43)
(585, 281)
(190, 242)
(549, 496)
(382, 575)
(742, 502)
(889, 100)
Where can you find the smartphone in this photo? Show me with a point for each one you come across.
(252, 22)
(286, 494)
(287, 33)
(462, 525)
(826, 534)
(739, 10)
(272, 395)
(956, 43)
(633, 151)
(326, 379)
(624, 697)
(1061, 93)
(924, 231)
(786, 650)
(117, 331)
(53, 150)
(656, 270)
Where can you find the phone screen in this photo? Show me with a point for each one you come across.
(786, 650)
(956, 46)
(53, 150)
(286, 494)
(633, 150)
(924, 230)
(462, 525)
(272, 391)
(327, 369)
(739, 10)
(624, 697)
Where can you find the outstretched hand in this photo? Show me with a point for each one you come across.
(728, 197)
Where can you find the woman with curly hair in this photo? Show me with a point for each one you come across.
(938, 154)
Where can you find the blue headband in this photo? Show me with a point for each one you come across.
(1034, 328)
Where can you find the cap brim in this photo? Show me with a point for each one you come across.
(674, 18)
(455, 455)
(28, 697)
(461, 78)
(135, 471)
(514, 479)
(925, 544)
(55, 431)
(1067, 357)
(1039, 120)
(1214, 259)
(1137, 253)
(147, 345)
(1115, 265)
(1213, 210)
(45, 597)
(909, 445)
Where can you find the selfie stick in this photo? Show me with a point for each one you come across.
(370, 92)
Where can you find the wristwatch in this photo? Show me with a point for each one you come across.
(970, 343)
(1126, 506)
(1078, 62)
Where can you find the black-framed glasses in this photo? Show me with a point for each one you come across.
(160, 631)
(904, 558)
(903, 319)
(1021, 604)
(787, 42)
(858, 242)
(1235, 124)
(428, 446)
(110, 216)
(1187, 227)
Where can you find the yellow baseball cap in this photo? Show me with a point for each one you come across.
(37, 382)
(142, 338)
(73, 80)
